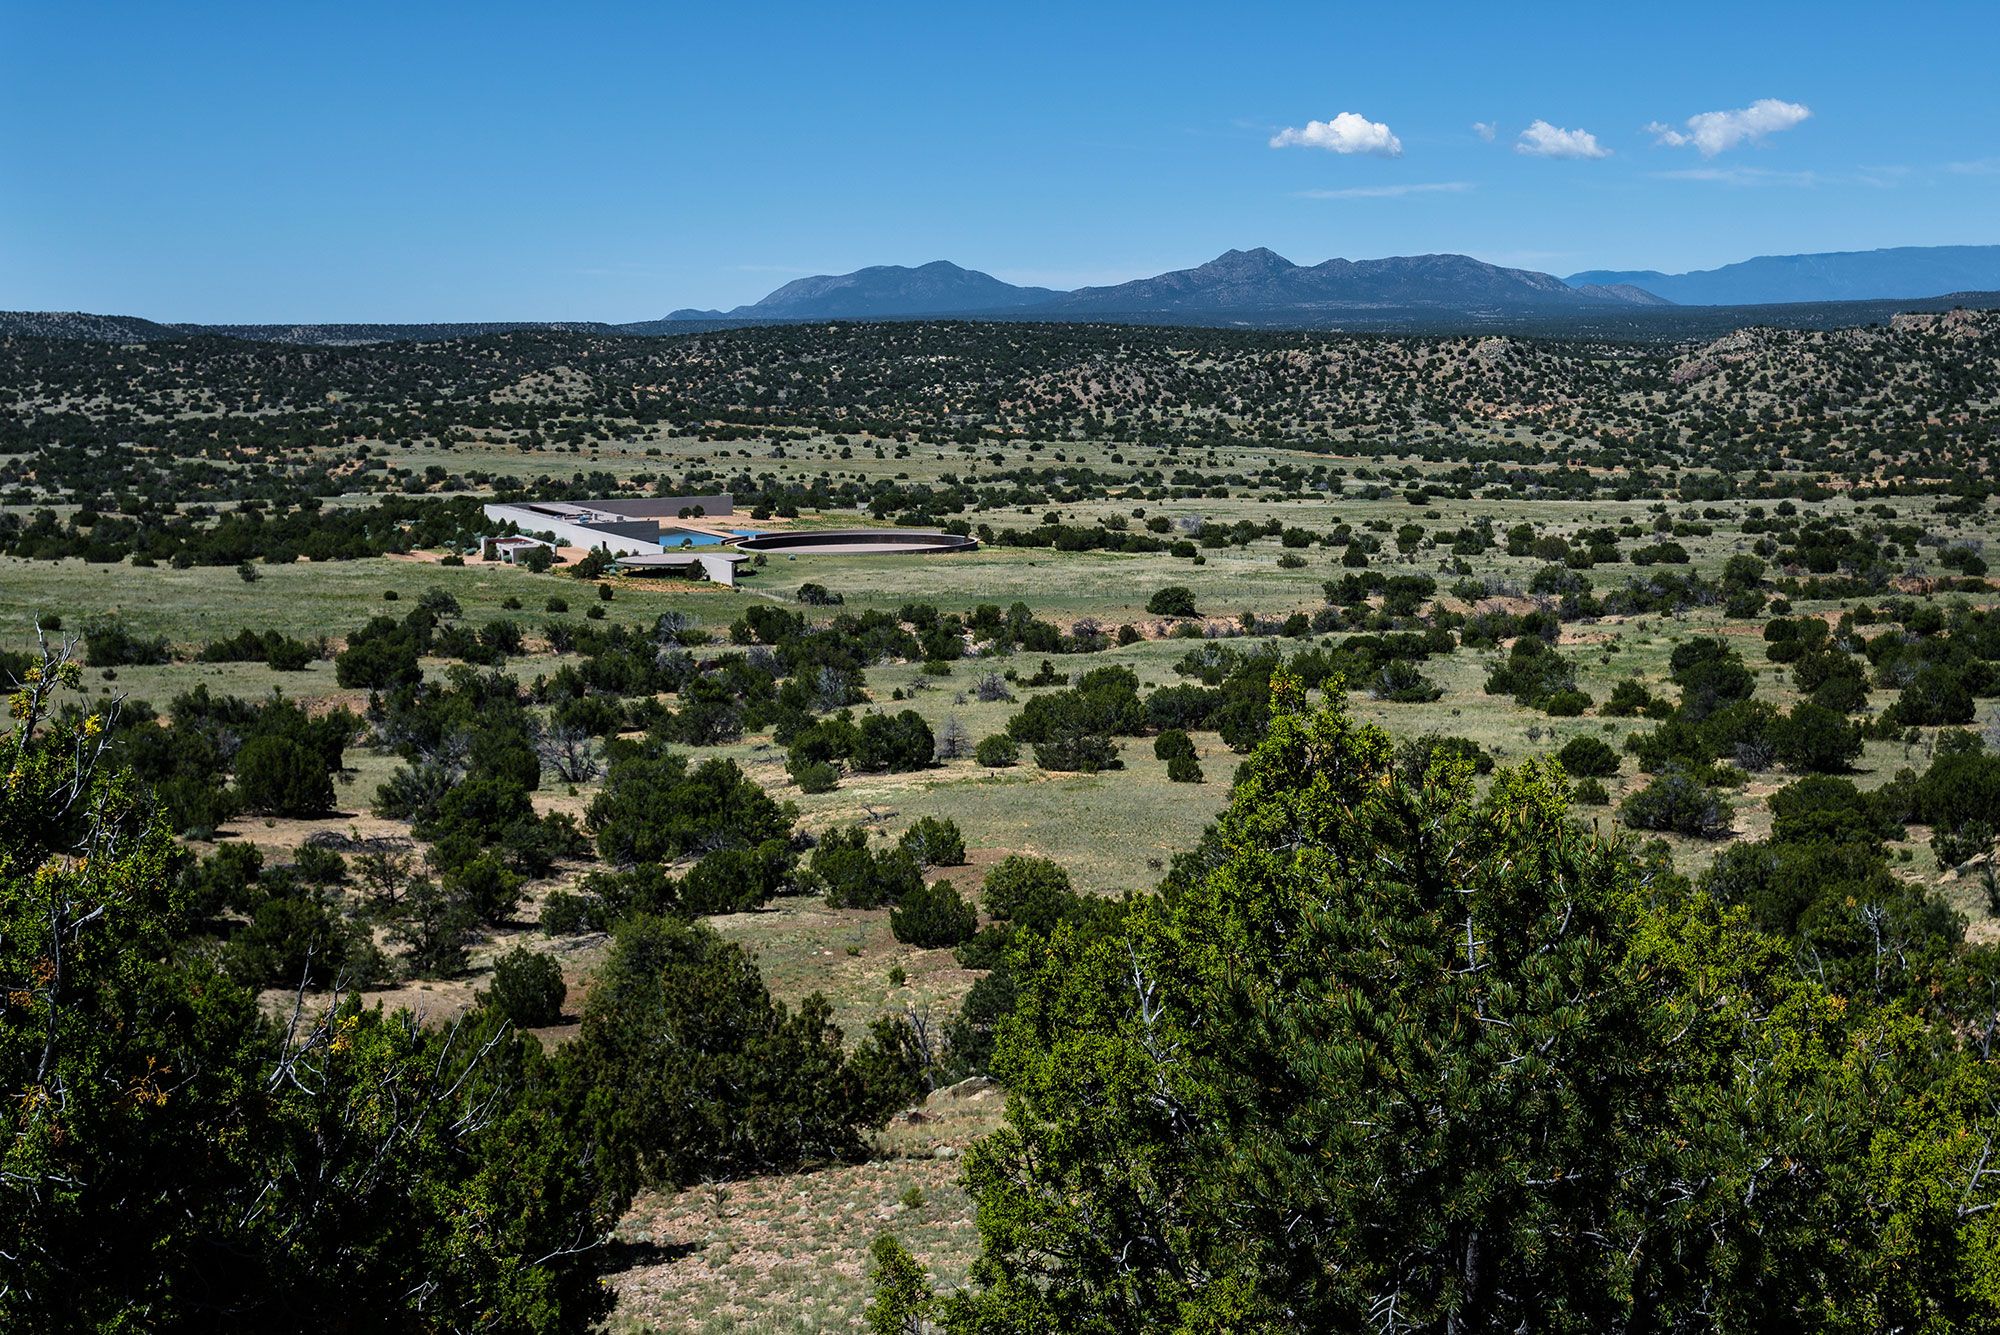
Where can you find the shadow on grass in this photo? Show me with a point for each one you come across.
(631, 1253)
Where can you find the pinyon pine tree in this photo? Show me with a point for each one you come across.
(1387, 1055)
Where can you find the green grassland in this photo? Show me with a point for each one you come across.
(1114, 831)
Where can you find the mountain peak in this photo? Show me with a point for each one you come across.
(894, 291)
(1256, 259)
(1263, 281)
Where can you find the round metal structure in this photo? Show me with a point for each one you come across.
(855, 542)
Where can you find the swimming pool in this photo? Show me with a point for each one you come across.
(671, 538)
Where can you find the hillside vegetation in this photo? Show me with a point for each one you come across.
(1422, 833)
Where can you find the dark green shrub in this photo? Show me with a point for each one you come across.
(278, 776)
(567, 913)
(1534, 673)
(1936, 697)
(382, 655)
(935, 842)
(486, 887)
(1711, 676)
(316, 864)
(1400, 681)
(296, 941)
(1821, 809)
(997, 752)
(694, 1073)
(1564, 704)
(1027, 891)
(653, 807)
(1587, 757)
(1415, 756)
(933, 917)
(816, 776)
(1629, 699)
(108, 642)
(1080, 753)
(1961, 843)
(894, 742)
(1843, 695)
(1817, 740)
(734, 880)
(818, 595)
(1677, 803)
(856, 877)
(288, 655)
(528, 989)
(1590, 793)
(435, 926)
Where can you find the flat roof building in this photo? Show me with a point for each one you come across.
(666, 535)
(634, 527)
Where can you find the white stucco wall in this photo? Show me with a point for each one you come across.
(567, 534)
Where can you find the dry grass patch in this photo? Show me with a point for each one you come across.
(790, 1252)
(802, 946)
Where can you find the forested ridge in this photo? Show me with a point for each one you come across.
(1910, 401)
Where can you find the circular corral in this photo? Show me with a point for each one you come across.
(855, 542)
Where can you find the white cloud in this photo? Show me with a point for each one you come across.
(1345, 133)
(1485, 130)
(1714, 132)
(1874, 178)
(1390, 191)
(1743, 176)
(1543, 140)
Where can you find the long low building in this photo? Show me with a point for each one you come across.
(718, 566)
(632, 528)
(653, 535)
(621, 527)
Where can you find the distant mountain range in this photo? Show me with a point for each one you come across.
(1240, 282)
(1259, 288)
(1259, 284)
(1850, 275)
(135, 329)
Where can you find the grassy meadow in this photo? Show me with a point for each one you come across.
(788, 1253)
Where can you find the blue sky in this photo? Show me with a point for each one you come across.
(613, 161)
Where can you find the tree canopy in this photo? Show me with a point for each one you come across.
(1393, 1055)
(178, 1160)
